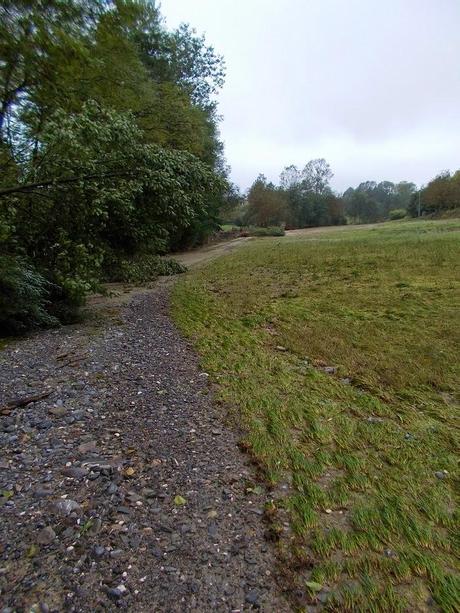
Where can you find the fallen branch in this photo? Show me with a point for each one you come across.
(22, 402)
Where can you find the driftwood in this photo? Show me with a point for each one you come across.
(22, 402)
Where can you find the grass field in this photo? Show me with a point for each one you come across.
(337, 352)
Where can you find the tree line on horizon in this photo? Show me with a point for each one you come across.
(304, 198)
(109, 150)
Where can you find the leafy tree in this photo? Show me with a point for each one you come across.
(290, 178)
(109, 142)
(266, 204)
(316, 176)
(98, 190)
(380, 199)
(310, 200)
(361, 207)
(405, 190)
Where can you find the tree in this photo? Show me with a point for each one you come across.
(361, 207)
(290, 178)
(316, 176)
(109, 140)
(405, 190)
(266, 204)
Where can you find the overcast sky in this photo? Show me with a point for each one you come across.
(373, 86)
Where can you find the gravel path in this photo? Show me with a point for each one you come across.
(123, 488)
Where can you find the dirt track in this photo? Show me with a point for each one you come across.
(124, 487)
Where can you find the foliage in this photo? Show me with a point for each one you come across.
(441, 194)
(264, 231)
(109, 145)
(302, 199)
(397, 214)
(365, 449)
(141, 268)
(372, 201)
(266, 204)
(23, 297)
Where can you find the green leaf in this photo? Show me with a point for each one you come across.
(313, 586)
(179, 501)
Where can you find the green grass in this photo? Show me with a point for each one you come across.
(358, 450)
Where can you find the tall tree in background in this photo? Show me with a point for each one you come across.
(266, 204)
(441, 194)
(378, 201)
(310, 200)
(316, 176)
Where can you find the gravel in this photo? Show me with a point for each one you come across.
(124, 488)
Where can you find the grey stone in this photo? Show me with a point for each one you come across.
(75, 472)
(66, 507)
(252, 597)
(46, 536)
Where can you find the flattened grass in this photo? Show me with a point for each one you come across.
(339, 354)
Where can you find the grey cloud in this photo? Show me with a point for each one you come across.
(372, 86)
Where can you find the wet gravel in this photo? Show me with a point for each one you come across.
(124, 488)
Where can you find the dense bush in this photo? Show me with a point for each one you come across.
(397, 214)
(142, 268)
(261, 231)
(24, 296)
(440, 195)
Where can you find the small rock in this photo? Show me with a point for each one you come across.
(96, 524)
(252, 597)
(330, 370)
(212, 530)
(115, 593)
(441, 474)
(98, 551)
(42, 493)
(124, 510)
(87, 447)
(112, 488)
(280, 348)
(46, 536)
(57, 411)
(75, 472)
(66, 507)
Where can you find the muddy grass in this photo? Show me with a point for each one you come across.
(338, 351)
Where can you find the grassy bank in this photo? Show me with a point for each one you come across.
(338, 353)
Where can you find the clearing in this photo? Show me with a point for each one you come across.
(337, 352)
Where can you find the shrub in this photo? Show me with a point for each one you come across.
(397, 214)
(142, 268)
(23, 298)
(269, 231)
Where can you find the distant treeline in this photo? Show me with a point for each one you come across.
(109, 149)
(304, 198)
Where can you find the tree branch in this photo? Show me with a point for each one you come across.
(26, 187)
